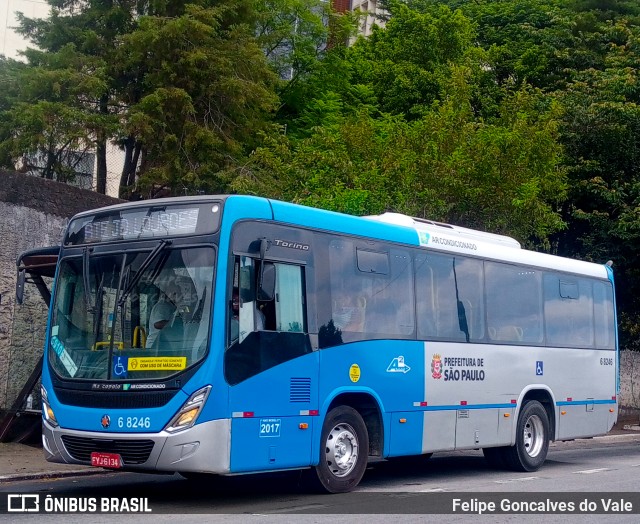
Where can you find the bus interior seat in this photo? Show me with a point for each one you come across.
(359, 314)
(170, 340)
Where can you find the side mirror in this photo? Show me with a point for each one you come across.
(267, 282)
(20, 286)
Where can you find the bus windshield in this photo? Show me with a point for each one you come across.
(126, 316)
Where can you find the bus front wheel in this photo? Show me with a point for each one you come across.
(532, 439)
(344, 450)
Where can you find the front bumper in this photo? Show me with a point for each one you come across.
(203, 448)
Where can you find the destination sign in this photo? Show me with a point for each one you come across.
(144, 223)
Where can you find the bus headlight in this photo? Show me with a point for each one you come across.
(188, 414)
(47, 412)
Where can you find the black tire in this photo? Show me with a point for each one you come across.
(532, 439)
(344, 451)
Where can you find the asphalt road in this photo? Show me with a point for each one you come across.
(603, 474)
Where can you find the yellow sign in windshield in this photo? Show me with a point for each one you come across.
(156, 363)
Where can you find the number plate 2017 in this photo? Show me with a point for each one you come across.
(270, 427)
(106, 460)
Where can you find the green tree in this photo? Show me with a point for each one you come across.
(181, 86)
(70, 100)
(207, 91)
(408, 63)
(52, 120)
(9, 93)
(583, 53)
(601, 133)
(504, 176)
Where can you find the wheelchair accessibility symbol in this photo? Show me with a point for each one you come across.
(120, 365)
(539, 368)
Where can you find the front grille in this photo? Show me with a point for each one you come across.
(131, 451)
(120, 400)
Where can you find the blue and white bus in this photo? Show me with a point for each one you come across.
(236, 334)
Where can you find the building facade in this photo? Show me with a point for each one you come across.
(371, 12)
(11, 43)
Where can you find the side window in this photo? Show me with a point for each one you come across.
(426, 298)
(264, 328)
(603, 309)
(514, 304)
(289, 311)
(449, 297)
(371, 293)
(568, 311)
(246, 310)
(71, 317)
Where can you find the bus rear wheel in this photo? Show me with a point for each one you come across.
(532, 439)
(344, 450)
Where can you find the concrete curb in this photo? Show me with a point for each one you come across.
(602, 438)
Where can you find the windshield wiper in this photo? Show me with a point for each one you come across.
(143, 267)
(97, 310)
(85, 280)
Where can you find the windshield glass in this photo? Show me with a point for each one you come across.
(143, 317)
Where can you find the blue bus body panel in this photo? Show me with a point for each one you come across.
(236, 208)
(267, 411)
(390, 371)
(395, 380)
(89, 419)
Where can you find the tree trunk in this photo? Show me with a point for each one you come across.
(101, 152)
(101, 163)
(132, 150)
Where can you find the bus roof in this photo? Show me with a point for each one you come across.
(421, 224)
(392, 227)
(436, 236)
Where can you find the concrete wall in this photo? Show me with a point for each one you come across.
(33, 213)
(630, 378)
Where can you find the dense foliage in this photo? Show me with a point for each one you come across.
(514, 116)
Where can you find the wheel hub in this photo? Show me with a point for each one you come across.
(533, 435)
(341, 450)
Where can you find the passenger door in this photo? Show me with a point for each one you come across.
(270, 368)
